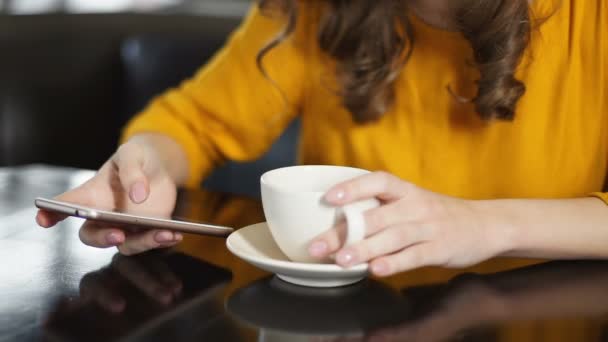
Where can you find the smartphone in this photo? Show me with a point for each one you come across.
(119, 218)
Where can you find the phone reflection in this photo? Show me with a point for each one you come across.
(155, 296)
(567, 297)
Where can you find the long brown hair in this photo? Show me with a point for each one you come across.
(371, 41)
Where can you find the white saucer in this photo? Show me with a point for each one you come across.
(255, 245)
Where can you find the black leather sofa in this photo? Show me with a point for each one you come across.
(69, 82)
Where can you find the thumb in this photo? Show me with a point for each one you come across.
(129, 160)
(80, 195)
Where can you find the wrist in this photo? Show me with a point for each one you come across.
(498, 225)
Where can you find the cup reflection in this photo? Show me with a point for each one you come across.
(287, 312)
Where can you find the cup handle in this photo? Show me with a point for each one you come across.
(355, 223)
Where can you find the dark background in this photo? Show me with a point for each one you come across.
(71, 78)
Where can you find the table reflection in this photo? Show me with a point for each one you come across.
(468, 308)
(559, 295)
(153, 297)
(283, 311)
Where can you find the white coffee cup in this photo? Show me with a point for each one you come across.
(296, 212)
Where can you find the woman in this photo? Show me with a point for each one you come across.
(488, 118)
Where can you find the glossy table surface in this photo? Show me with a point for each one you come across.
(53, 288)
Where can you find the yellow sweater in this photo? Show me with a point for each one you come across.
(557, 146)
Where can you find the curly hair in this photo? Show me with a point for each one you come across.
(372, 40)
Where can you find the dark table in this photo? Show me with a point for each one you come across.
(54, 288)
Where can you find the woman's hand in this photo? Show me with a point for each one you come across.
(412, 228)
(134, 181)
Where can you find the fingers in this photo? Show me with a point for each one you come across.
(130, 162)
(328, 242)
(386, 242)
(378, 184)
(416, 256)
(395, 249)
(80, 195)
(97, 235)
(47, 219)
(376, 220)
(149, 239)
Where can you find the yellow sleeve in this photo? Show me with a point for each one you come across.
(229, 110)
(601, 195)
(602, 43)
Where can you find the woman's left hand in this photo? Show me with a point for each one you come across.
(412, 228)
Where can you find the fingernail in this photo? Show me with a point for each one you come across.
(380, 268)
(178, 237)
(336, 195)
(162, 237)
(114, 239)
(39, 221)
(346, 258)
(318, 248)
(138, 192)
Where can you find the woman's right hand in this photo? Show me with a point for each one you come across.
(135, 181)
